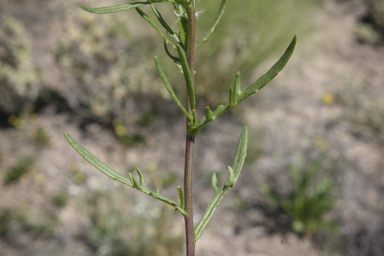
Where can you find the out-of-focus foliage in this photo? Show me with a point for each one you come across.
(311, 197)
(371, 27)
(104, 64)
(118, 229)
(19, 78)
(107, 63)
(13, 174)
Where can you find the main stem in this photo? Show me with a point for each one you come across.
(189, 228)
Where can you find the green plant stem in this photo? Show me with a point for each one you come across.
(189, 229)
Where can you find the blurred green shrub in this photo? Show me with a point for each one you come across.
(311, 197)
(119, 230)
(19, 78)
(60, 199)
(98, 54)
(41, 137)
(14, 174)
(5, 219)
(371, 27)
(43, 225)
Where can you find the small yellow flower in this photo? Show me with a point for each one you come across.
(327, 98)
(120, 130)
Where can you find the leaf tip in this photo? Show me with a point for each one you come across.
(231, 177)
(84, 7)
(245, 130)
(67, 136)
(293, 42)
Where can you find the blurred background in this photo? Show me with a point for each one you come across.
(313, 182)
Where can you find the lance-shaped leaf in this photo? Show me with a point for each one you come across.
(188, 77)
(169, 88)
(95, 162)
(272, 73)
(214, 24)
(236, 96)
(112, 9)
(181, 197)
(237, 86)
(131, 181)
(208, 114)
(163, 23)
(121, 7)
(234, 172)
(150, 21)
(241, 153)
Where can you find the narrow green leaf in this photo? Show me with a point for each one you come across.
(214, 184)
(95, 162)
(181, 196)
(150, 21)
(237, 87)
(142, 180)
(219, 194)
(239, 96)
(208, 114)
(188, 77)
(230, 182)
(179, 11)
(112, 9)
(211, 208)
(122, 7)
(131, 181)
(217, 197)
(134, 182)
(163, 23)
(214, 24)
(241, 153)
(174, 58)
(194, 117)
(169, 88)
(274, 71)
(178, 65)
